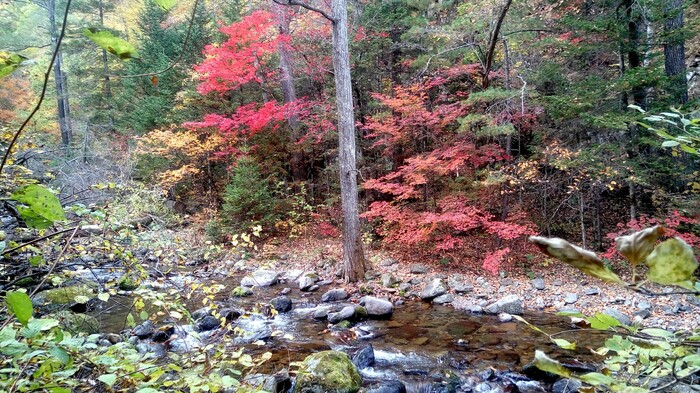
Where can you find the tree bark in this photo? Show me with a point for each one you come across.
(674, 51)
(61, 80)
(493, 40)
(353, 256)
(289, 94)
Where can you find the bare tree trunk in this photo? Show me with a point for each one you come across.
(633, 201)
(493, 40)
(674, 51)
(289, 93)
(581, 220)
(107, 92)
(60, 80)
(354, 262)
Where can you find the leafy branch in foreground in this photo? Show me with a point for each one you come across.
(637, 360)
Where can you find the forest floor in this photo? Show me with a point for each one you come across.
(561, 287)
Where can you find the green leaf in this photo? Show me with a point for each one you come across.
(584, 260)
(603, 321)
(563, 344)
(36, 260)
(669, 144)
(40, 207)
(545, 363)
(108, 379)
(655, 332)
(60, 354)
(596, 379)
(19, 304)
(165, 4)
(9, 62)
(114, 45)
(671, 262)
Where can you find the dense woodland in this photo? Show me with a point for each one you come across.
(476, 124)
(445, 132)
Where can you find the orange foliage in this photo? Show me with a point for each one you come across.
(15, 96)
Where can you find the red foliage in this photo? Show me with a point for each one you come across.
(240, 59)
(675, 225)
(494, 259)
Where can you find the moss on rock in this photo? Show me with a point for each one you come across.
(328, 372)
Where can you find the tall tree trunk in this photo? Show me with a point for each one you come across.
(634, 29)
(354, 262)
(107, 92)
(493, 40)
(60, 79)
(289, 93)
(674, 51)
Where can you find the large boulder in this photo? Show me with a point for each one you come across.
(348, 313)
(433, 289)
(281, 303)
(510, 304)
(376, 307)
(328, 372)
(334, 295)
(261, 278)
(64, 295)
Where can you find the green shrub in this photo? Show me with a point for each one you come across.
(249, 198)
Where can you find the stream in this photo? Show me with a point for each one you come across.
(418, 342)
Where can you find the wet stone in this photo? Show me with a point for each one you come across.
(281, 303)
(387, 387)
(566, 386)
(208, 323)
(334, 295)
(144, 330)
(346, 313)
(624, 319)
(444, 299)
(364, 357)
(505, 317)
(433, 289)
(321, 313)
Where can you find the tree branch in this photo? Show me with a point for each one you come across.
(43, 89)
(308, 7)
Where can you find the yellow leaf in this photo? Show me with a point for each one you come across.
(584, 260)
(637, 246)
(671, 262)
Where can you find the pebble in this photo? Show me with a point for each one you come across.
(570, 298)
(538, 284)
(591, 291)
(505, 317)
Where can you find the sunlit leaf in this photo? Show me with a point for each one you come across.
(564, 344)
(637, 246)
(545, 363)
(671, 262)
(114, 45)
(655, 332)
(596, 379)
(9, 62)
(19, 304)
(584, 260)
(39, 207)
(602, 321)
(165, 4)
(104, 296)
(60, 354)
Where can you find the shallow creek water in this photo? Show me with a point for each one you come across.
(419, 340)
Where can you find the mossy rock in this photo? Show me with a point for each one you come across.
(342, 325)
(65, 295)
(127, 283)
(241, 292)
(360, 313)
(77, 323)
(328, 372)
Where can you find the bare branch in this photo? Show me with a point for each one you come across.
(427, 64)
(308, 7)
(43, 88)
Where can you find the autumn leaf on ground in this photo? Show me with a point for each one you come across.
(671, 262)
(584, 260)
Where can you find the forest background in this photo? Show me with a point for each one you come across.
(477, 123)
